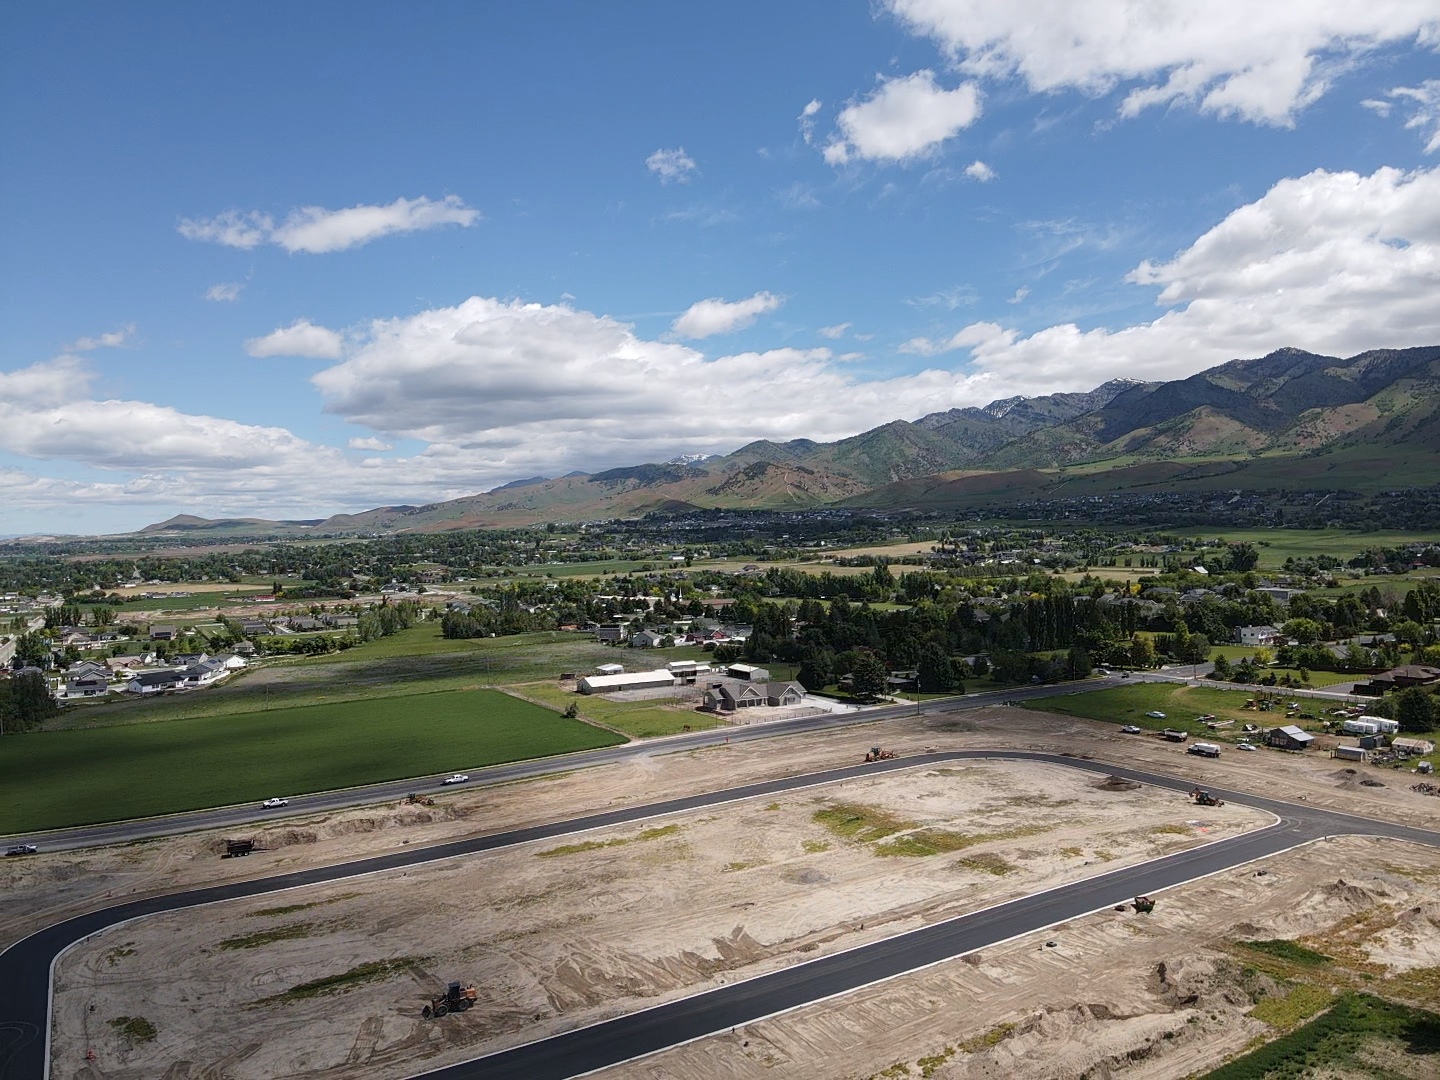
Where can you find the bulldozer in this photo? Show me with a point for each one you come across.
(417, 800)
(456, 998)
(1204, 798)
(876, 754)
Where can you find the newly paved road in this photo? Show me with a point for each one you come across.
(123, 832)
(25, 966)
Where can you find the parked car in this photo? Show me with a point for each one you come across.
(1155, 714)
(458, 778)
(1246, 746)
(22, 849)
(1130, 729)
(274, 804)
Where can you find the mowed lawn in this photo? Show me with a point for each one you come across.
(1181, 705)
(85, 775)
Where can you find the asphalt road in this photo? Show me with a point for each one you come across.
(25, 966)
(122, 832)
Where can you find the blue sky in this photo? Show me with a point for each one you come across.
(286, 261)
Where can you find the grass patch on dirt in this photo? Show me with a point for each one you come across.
(290, 909)
(814, 847)
(135, 1028)
(115, 955)
(984, 1041)
(856, 822)
(83, 776)
(924, 842)
(1301, 1003)
(1290, 951)
(1341, 1043)
(375, 971)
(987, 862)
(1170, 830)
(1181, 705)
(288, 932)
(620, 841)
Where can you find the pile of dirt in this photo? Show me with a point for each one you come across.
(1117, 783)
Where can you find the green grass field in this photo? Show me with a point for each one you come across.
(1277, 545)
(1180, 704)
(81, 776)
(642, 719)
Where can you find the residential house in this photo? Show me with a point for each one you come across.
(155, 682)
(728, 695)
(614, 632)
(254, 627)
(1256, 635)
(1404, 677)
(163, 633)
(646, 639)
(89, 684)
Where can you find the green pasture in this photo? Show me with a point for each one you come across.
(85, 775)
(1180, 703)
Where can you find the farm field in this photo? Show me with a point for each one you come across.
(81, 776)
(1277, 545)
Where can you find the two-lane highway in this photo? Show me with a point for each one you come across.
(25, 968)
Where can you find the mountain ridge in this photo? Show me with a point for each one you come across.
(1285, 419)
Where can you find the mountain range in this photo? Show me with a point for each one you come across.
(1289, 420)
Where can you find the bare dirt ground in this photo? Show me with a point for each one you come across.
(1144, 997)
(637, 953)
(560, 934)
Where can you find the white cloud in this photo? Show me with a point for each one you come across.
(706, 318)
(1258, 62)
(671, 165)
(1424, 101)
(300, 338)
(834, 333)
(113, 340)
(1336, 263)
(1020, 295)
(371, 443)
(905, 118)
(232, 228)
(317, 230)
(225, 292)
(978, 170)
(806, 120)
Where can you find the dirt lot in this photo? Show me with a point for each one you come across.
(564, 933)
(1143, 997)
(518, 940)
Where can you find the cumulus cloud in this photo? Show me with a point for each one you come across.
(225, 292)
(300, 338)
(370, 443)
(978, 170)
(1258, 62)
(905, 118)
(1020, 295)
(1336, 263)
(706, 318)
(316, 230)
(671, 165)
(113, 340)
(834, 333)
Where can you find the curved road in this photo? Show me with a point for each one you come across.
(123, 832)
(25, 968)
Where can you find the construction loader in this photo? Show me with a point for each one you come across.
(1204, 798)
(456, 998)
(876, 754)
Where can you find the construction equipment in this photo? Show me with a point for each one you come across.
(1144, 905)
(234, 849)
(876, 754)
(456, 998)
(418, 800)
(1204, 798)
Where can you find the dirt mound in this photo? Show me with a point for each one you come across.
(1117, 783)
